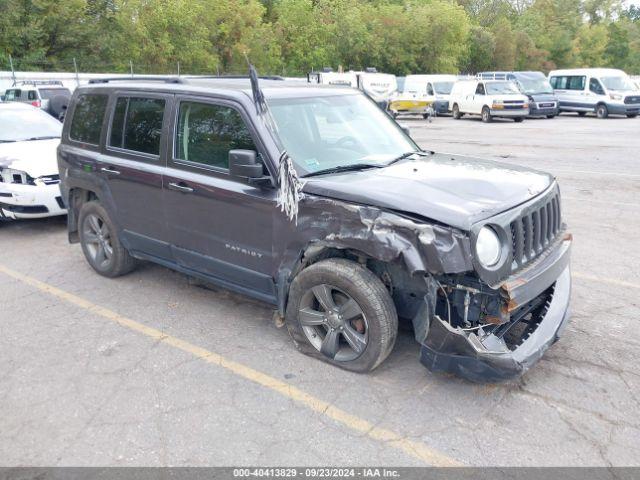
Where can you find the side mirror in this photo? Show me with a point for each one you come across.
(245, 164)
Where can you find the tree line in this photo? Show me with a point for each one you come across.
(291, 37)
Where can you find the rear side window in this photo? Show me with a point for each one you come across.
(206, 133)
(88, 115)
(32, 95)
(137, 124)
(570, 82)
(12, 95)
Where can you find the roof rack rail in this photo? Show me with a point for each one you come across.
(164, 79)
(231, 77)
(492, 76)
(37, 82)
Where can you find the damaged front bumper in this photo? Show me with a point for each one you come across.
(481, 354)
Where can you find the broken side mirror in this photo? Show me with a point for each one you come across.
(245, 164)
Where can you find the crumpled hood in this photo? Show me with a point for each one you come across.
(35, 157)
(452, 189)
(544, 97)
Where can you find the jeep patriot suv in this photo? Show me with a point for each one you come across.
(187, 173)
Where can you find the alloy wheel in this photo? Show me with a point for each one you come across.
(333, 322)
(97, 239)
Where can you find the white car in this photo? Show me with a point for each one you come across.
(489, 99)
(29, 177)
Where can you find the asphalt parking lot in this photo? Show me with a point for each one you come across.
(150, 370)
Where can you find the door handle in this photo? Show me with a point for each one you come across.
(180, 188)
(110, 171)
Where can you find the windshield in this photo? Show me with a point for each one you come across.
(23, 124)
(443, 88)
(618, 83)
(535, 85)
(325, 132)
(501, 88)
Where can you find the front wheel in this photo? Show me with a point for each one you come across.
(341, 313)
(632, 115)
(551, 116)
(518, 119)
(100, 243)
(486, 115)
(602, 111)
(582, 114)
(456, 112)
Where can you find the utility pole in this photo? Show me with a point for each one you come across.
(13, 72)
(131, 67)
(75, 68)
(178, 68)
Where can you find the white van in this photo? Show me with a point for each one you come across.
(601, 90)
(434, 88)
(489, 99)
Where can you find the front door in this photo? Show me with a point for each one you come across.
(220, 226)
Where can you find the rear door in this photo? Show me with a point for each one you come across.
(220, 226)
(131, 167)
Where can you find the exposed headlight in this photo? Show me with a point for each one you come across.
(615, 96)
(488, 247)
(9, 175)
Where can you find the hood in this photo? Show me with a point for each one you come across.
(451, 189)
(543, 97)
(35, 157)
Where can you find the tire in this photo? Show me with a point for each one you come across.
(455, 112)
(551, 116)
(346, 286)
(582, 114)
(518, 119)
(602, 111)
(93, 218)
(632, 115)
(486, 115)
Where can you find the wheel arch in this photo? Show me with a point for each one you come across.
(77, 197)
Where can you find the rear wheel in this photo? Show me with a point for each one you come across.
(486, 115)
(551, 116)
(341, 313)
(602, 111)
(456, 112)
(632, 115)
(518, 119)
(100, 243)
(582, 114)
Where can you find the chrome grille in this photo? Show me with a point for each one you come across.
(532, 233)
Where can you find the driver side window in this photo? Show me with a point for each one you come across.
(480, 89)
(205, 133)
(429, 89)
(595, 87)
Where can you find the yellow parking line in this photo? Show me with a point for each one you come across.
(612, 281)
(413, 448)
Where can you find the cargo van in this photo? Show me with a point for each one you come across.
(489, 99)
(542, 101)
(434, 88)
(603, 91)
